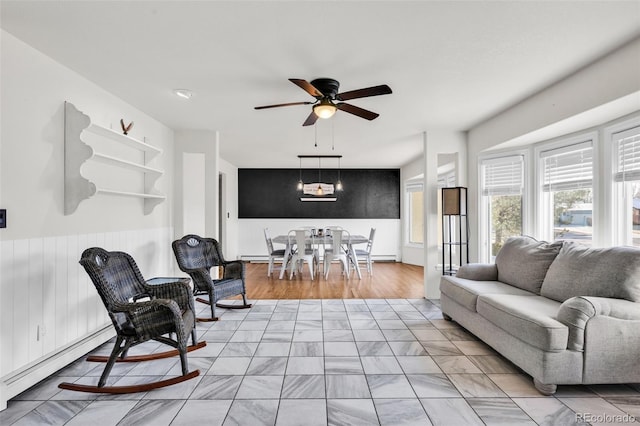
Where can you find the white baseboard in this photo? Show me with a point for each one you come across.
(22, 380)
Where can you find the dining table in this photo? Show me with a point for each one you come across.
(347, 240)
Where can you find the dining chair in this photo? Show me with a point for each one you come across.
(364, 256)
(305, 251)
(334, 251)
(274, 255)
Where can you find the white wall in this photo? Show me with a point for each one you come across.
(438, 142)
(40, 280)
(610, 80)
(201, 142)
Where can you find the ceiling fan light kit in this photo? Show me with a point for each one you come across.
(325, 109)
(328, 100)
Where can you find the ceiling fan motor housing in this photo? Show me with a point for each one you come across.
(328, 86)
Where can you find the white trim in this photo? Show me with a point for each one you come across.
(484, 221)
(543, 227)
(613, 212)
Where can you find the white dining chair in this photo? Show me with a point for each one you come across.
(274, 255)
(305, 251)
(334, 251)
(364, 256)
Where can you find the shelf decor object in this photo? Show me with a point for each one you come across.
(125, 128)
(455, 229)
(76, 152)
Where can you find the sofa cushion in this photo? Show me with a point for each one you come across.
(466, 292)
(478, 272)
(529, 318)
(601, 272)
(524, 261)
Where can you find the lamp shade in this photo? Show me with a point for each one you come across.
(454, 201)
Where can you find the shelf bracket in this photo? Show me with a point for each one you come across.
(76, 187)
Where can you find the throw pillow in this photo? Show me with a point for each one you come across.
(523, 262)
(602, 272)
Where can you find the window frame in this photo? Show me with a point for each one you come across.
(543, 230)
(614, 213)
(484, 217)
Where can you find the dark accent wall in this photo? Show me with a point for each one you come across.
(271, 193)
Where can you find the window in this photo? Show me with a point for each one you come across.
(415, 201)
(567, 193)
(627, 185)
(502, 183)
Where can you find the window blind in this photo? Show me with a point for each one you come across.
(568, 168)
(415, 186)
(447, 180)
(503, 176)
(628, 155)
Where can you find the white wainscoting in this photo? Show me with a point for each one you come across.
(386, 245)
(51, 313)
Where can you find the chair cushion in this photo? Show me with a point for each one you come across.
(278, 253)
(466, 292)
(524, 261)
(601, 272)
(531, 319)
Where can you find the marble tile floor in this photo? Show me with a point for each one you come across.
(326, 362)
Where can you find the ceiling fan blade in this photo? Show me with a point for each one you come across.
(360, 112)
(311, 119)
(363, 93)
(282, 105)
(307, 87)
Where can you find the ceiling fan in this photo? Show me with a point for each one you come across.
(325, 90)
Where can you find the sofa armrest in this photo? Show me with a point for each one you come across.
(478, 272)
(577, 311)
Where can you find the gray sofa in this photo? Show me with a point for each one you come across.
(564, 313)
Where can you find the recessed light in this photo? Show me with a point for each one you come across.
(183, 93)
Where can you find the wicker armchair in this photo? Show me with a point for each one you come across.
(196, 256)
(139, 312)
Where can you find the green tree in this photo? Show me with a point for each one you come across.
(506, 219)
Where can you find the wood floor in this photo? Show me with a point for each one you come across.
(389, 281)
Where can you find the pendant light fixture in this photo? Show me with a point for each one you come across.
(319, 191)
(339, 182)
(300, 183)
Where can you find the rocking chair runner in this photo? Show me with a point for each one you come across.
(139, 312)
(196, 256)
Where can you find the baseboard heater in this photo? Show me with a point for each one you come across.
(258, 258)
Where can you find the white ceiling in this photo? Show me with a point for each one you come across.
(451, 65)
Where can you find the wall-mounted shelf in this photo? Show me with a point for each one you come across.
(77, 188)
(115, 161)
(119, 137)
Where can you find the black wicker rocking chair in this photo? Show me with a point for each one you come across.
(196, 256)
(139, 312)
